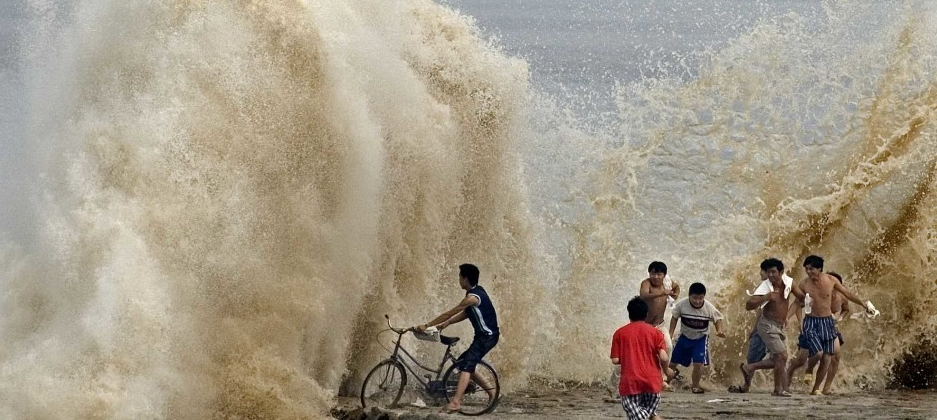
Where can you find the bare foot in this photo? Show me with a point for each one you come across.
(746, 375)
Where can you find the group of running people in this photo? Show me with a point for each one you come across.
(646, 358)
(646, 361)
(821, 301)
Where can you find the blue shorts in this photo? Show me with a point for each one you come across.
(480, 346)
(686, 351)
(756, 349)
(818, 335)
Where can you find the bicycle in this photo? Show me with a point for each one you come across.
(384, 384)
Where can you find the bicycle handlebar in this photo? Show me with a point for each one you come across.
(400, 331)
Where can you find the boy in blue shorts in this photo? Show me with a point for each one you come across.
(695, 313)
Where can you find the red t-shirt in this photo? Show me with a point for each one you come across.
(638, 345)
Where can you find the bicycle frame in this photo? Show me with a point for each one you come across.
(483, 392)
(395, 355)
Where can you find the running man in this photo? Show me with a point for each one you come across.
(756, 348)
(773, 281)
(771, 297)
(477, 308)
(656, 293)
(818, 333)
(657, 290)
(638, 348)
(756, 351)
(840, 312)
(695, 313)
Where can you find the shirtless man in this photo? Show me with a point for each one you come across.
(840, 312)
(657, 290)
(772, 298)
(818, 333)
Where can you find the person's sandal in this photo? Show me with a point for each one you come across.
(697, 390)
(736, 389)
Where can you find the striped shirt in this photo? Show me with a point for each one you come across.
(694, 322)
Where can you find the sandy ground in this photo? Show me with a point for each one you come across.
(544, 402)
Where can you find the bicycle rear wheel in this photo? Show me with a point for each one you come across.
(482, 393)
(383, 385)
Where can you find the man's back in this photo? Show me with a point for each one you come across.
(638, 345)
(483, 316)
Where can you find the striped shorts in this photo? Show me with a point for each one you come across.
(818, 335)
(640, 406)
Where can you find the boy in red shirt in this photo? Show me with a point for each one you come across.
(640, 350)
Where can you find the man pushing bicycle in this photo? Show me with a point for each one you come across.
(477, 308)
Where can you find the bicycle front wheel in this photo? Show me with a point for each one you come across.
(482, 393)
(383, 385)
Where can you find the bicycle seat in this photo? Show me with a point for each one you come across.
(448, 340)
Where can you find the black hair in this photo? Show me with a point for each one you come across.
(772, 263)
(838, 277)
(637, 309)
(470, 272)
(697, 289)
(657, 267)
(814, 261)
